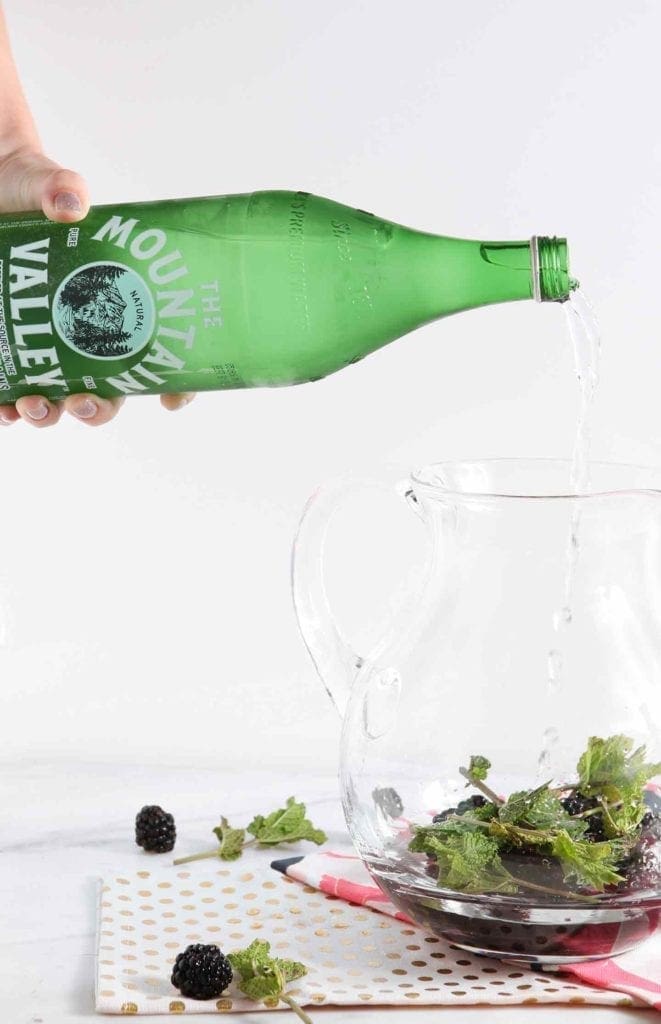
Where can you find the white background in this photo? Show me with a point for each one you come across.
(144, 592)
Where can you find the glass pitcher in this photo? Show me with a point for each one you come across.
(500, 747)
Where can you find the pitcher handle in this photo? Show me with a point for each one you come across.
(334, 659)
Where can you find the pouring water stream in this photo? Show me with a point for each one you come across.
(586, 344)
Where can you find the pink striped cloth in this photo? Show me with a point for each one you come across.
(341, 873)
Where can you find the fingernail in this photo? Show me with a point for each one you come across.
(38, 411)
(86, 410)
(6, 422)
(67, 202)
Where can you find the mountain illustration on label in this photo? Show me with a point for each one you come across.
(104, 311)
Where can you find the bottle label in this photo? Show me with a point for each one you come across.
(111, 305)
(258, 290)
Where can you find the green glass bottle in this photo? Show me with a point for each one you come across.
(263, 289)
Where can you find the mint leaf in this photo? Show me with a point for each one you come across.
(470, 862)
(425, 836)
(484, 813)
(623, 820)
(516, 835)
(540, 809)
(286, 825)
(248, 961)
(262, 988)
(291, 969)
(263, 978)
(611, 764)
(586, 863)
(478, 767)
(616, 774)
(231, 840)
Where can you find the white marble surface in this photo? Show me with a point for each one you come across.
(64, 824)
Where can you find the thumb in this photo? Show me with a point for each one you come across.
(30, 181)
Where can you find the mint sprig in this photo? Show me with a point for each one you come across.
(264, 978)
(615, 773)
(287, 824)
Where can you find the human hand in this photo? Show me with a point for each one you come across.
(30, 181)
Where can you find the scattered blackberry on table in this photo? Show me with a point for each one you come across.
(201, 972)
(155, 829)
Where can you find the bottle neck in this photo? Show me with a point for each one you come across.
(538, 269)
(454, 274)
(549, 269)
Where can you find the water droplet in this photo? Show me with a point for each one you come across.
(554, 668)
(561, 618)
(549, 741)
(381, 702)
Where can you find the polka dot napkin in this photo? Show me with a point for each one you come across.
(355, 954)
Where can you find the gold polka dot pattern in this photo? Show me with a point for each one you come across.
(354, 955)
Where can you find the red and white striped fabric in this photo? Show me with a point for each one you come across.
(342, 874)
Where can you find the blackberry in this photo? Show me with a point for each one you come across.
(462, 808)
(577, 804)
(471, 803)
(155, 829)
(438, 818)
(201, 972)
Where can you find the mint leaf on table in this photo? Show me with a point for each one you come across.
(263, 978)
(286, 825)
(231, 840)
